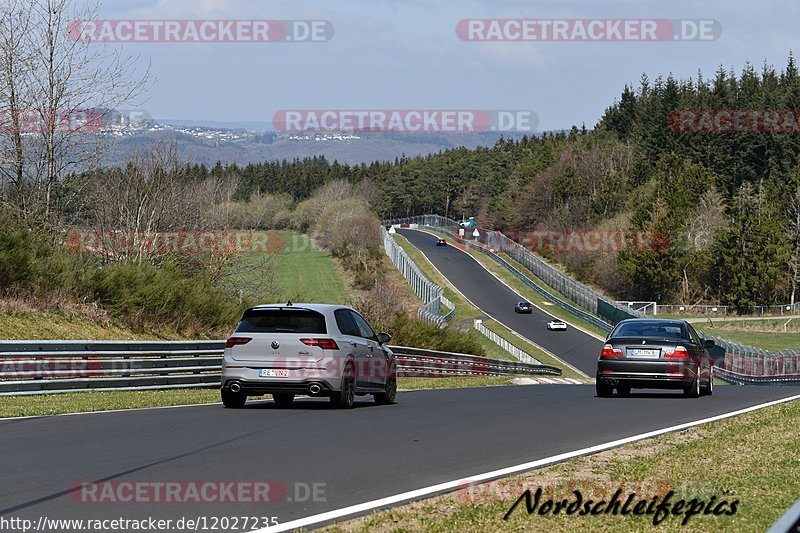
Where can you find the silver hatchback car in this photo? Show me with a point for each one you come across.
(312, 349)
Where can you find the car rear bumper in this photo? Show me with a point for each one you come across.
(299, 382)
(524, 311)
(647, 374)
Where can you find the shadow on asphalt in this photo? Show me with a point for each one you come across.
(307, 404)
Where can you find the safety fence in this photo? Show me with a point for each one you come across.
(585, 303)
(50, 367)
(415, 362)
(766, 311)
(519, 353)
(430, 293)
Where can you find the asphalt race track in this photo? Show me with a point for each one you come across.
(359, 455)
(346, 457)
(497, 300)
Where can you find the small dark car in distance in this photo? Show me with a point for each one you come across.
(654, 353)
(441, 242)
(523, 307)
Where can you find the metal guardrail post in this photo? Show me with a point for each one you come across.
(738, 357)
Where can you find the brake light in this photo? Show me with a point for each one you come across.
(234, 341)
(610, 351)
(325, 344)
(679, 353)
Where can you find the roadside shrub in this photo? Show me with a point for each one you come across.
(407, 331)
(17, 256)
(143, 293)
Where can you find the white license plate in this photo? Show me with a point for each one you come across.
(644, 354)
(270, 373)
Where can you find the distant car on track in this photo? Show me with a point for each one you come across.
(557, 325)
(654, 353)
(313, 349)
(441, 242)
(523, 307)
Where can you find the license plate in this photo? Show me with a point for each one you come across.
(643, 353)
(270, 373)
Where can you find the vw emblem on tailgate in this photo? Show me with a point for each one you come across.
(275, 345)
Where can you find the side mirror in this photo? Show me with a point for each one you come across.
(383, 338)
(708, 343)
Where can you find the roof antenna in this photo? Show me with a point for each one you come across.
(289, 304)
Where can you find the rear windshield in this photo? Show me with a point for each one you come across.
(282, 321)
(661, 330)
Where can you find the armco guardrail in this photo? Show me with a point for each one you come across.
(49, 367)
(748, 379)
(430, 293)
(35, 367)
(574, 310)
(747, 363)
(415, 362)
(519, 353)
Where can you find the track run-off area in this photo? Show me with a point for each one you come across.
(323, 465)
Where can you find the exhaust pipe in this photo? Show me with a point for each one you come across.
(314, 389)
(235, 387)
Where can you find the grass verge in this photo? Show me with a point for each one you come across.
(86, 402)
(696, 463)
(529, 294)
(532, 350)
(467, 313)
(759, 339)
(51, 325)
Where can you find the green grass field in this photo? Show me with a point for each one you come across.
(298, 272)
(305, 273)
(768, 340)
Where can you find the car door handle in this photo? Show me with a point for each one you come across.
(353, 344)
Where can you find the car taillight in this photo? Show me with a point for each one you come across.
(325, 344)
(233, 341)
(610, 351)
(679, 353)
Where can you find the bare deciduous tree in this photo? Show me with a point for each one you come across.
(51, 84)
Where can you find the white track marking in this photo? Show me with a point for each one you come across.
(450, 486)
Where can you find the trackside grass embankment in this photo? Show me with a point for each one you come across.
(751, 458)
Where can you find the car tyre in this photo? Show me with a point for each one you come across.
(708, 388)
(603, 390)
(233, 400)
(346, 397)
(693, 390)
(389, 395)
(283, 399)
(624, 390)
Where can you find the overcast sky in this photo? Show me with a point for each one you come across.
(405, 54)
